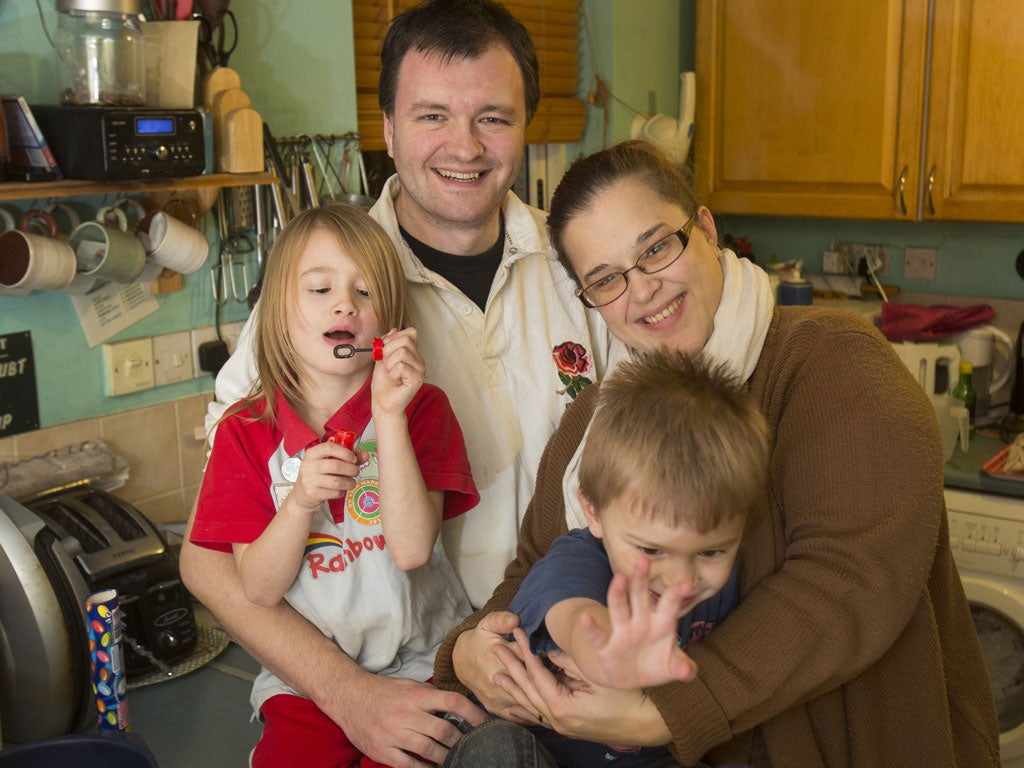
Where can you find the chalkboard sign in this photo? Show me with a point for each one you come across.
(19, 399)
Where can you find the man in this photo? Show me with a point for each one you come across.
(499, 327)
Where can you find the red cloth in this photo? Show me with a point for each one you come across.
(297, 733)
(910, 322)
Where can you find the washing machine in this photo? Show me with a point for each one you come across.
(986, 533)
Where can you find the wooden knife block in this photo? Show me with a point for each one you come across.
(237, 127)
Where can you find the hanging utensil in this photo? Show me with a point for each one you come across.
(363, 199)
(309, 190)
(285, 206)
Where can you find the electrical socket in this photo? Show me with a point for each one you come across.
(128, 366)
(832, 263)
(920, 263)
(172, 358)
(864, 256)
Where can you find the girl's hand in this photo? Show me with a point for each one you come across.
(640, 647)
(325, 473)
(398, 376)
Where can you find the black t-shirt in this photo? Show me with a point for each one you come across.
(473, 275)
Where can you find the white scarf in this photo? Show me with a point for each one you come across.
(740, 327)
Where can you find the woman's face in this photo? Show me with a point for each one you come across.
(673, 308)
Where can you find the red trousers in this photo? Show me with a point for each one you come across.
(296, 733)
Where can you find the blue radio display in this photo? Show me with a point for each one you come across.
(154, 126)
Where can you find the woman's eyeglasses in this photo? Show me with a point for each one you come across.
(607, 288)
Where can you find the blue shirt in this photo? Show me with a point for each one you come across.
(577, 565)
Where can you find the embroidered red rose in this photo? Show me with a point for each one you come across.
(571, 358)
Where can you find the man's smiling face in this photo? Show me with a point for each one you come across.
(457, 137)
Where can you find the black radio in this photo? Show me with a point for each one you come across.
(123, 143)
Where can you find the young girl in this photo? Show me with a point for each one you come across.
(349, 537)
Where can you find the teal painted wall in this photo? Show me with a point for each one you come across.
(296, 64)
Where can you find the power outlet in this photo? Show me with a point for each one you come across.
(920, 263)
(864, 257)
(128, 366)
(172, 358)
(833, 263)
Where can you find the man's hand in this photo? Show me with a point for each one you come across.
(476, 665)
(395, 721)
(639, 647)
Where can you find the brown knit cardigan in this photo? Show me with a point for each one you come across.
(853, 643)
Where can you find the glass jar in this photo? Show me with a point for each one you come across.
(100, 50)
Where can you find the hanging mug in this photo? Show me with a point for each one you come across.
(171, 239)
(33, 259)
(107, 253)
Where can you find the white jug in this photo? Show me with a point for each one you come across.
(953, 423)
(935, 366)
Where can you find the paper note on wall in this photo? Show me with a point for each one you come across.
(112, 308)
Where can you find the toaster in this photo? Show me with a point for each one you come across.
(55, 550)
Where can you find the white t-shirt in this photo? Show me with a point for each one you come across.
(507, 384)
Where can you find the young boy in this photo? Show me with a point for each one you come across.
(674, 459)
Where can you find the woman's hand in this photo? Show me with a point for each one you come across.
(398, 375)
(476, 665)
(577, 708)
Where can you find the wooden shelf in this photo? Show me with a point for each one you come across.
(34, 190)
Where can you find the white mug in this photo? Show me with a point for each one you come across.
(172, 243)
(30, 260)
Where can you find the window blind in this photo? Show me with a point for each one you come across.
(553, 24)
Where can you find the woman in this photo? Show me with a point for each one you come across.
(852, 643)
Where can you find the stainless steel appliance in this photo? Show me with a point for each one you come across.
(55, 550)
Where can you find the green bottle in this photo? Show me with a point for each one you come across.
(964, 390)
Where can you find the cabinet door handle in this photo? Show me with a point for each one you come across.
(901, 203)
(931, 186)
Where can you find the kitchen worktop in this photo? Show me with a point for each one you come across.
(963, 470)
(202, 718)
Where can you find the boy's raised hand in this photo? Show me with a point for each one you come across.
(398, 375)
(640, 648)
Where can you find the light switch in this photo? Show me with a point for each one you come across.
(172, 358)
(128, 366)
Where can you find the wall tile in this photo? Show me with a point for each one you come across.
(148, 439)
(189, 495)
(191, 414)
(163, 508)
(41, 441)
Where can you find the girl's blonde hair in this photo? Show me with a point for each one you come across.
(369, 248)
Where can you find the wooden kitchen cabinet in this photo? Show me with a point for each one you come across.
(874, 109)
